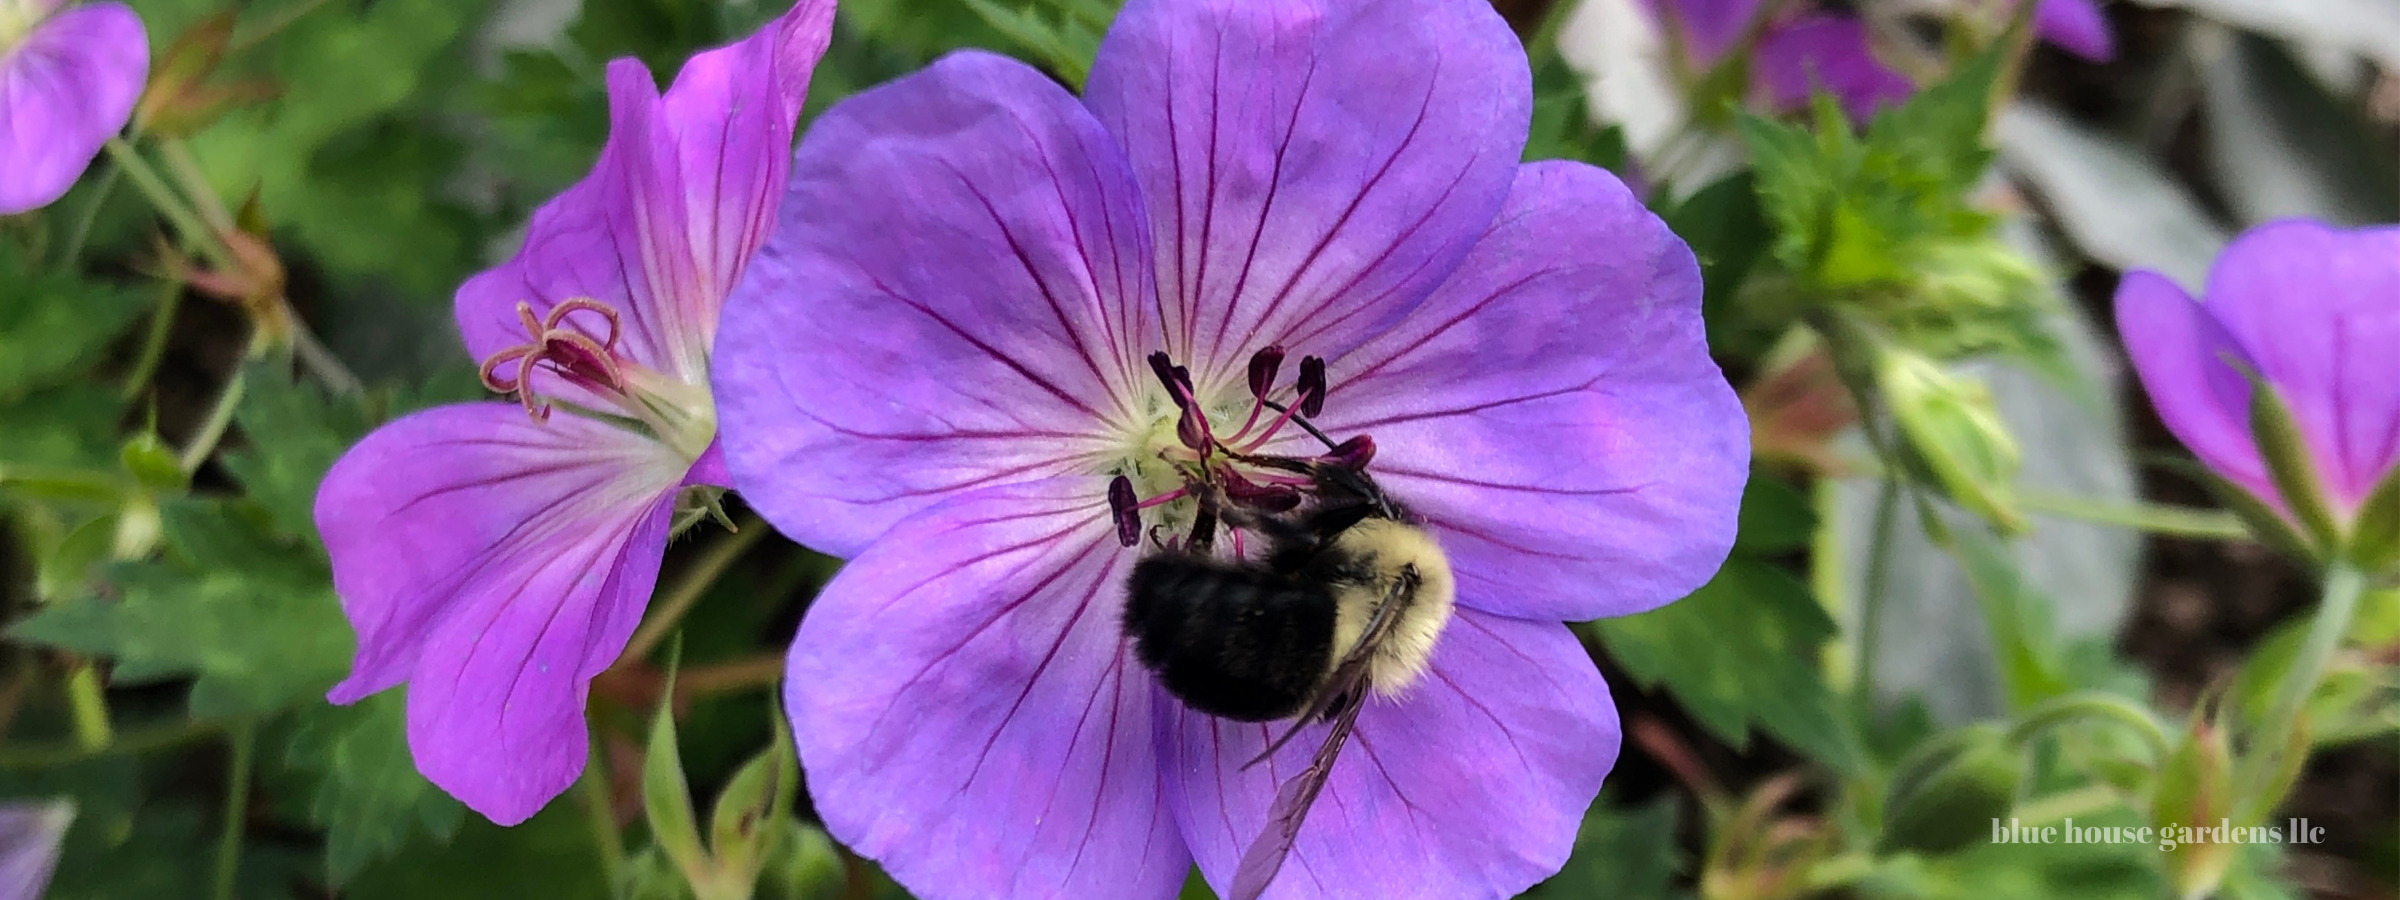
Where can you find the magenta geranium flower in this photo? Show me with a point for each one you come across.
(497, 556)
(68, 80)
(2314, 313)
(1801, 50)
(945, 382)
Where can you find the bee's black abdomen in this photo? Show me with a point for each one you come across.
(1246, 644)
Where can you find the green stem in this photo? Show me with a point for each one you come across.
(607, 843)
(1869, 622)
(2174, 521)
(195, 184)
(220, 417)
(2343, 587)
(237, 809)
(154, 341)
(693, 583)
(2092, 705)
(319, 359)
(87, 706)
(91, 215)
(162, 197)
(38, 756)
(2061, 806)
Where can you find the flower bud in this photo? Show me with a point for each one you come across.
(2195, 790)
(1947, 792)
(1955, 431)
(667, 797)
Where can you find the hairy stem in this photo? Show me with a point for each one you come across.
(2173, 521)
(2343, 587)
(163, 198)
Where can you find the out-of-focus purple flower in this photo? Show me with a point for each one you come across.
(497, 556)
(1801, 51)
(944, 381)
(68, 80)
(2314, 313)
(30, 834)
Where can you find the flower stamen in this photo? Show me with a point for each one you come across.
(571, 353)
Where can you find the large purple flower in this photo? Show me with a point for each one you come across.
(497, 556)
(944, 382)
(2314, 313)
(68, 80)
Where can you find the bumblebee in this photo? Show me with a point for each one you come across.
(1346, 603)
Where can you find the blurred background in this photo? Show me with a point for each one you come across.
(174, 630)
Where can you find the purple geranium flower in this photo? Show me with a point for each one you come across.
(2314, 313)
(1805, 51)
(497, 556)
(945, 382)
(68, 80)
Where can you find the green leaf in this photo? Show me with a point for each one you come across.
(292, 433)
(550, 855)
(1622, 853)
(252, 618)
(53, 323)
(1065, 39)
(1740, 650)
(67, 426)
(1728, 232)
(365, 792)
(1775, 517)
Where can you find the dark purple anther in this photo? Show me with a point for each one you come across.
(1312, 386)
(1354, 453)
(1121, 505)
(1192, 428)
(1167, 373)
(1268, 498)
(1263, 367)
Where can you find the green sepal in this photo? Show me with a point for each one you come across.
(666, 796)
(152, 464)
(2375, 534)
(2285, 452)
(2195, 790)
(1954, 427)
(1945, 793)
(743, 826)
(2271, 528)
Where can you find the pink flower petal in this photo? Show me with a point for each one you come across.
(64, 91)
(1469, 787)
(496, 564)
(969, 715)
(1311, 169)
(1553, 410)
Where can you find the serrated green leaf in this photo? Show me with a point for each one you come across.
(1740, 650)
(52, 324)
(365, 792)
(252, 619)
(292, 432)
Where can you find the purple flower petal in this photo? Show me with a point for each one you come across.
(2187, 362)
(64, 91)
(958, 295)
(1553, 410)
(1312, 169)
(2318, 309)
(681, 196)
(2078, 26)
(1707, 28)
(1828, 52)
(1471, 786)
(30, 834)
(496, 564)
(969, 715)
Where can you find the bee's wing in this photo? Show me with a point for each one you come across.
(1292, 801)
